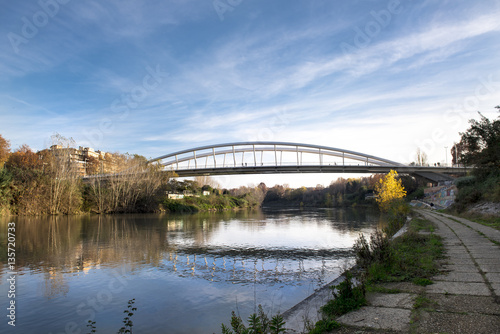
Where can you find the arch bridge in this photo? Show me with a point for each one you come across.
(283, 157)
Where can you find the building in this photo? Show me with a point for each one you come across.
(81, 158)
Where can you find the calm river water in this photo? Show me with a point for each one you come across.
(186, 273)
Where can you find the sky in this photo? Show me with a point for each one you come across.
(154, 77)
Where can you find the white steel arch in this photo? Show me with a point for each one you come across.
(233, 155)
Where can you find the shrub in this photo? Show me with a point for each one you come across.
(347, 297)
(378, 250)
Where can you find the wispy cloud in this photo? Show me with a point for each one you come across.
(267, 72)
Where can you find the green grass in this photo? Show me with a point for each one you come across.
(347, 298)
(325, 325)
(422, 302)
(422, 281)
(412, 258)
(419, 224)
(381, 289)
(490, 221)
(487, 220)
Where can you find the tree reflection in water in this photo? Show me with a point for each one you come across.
(178, 263)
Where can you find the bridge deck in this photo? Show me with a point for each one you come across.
(317, 169)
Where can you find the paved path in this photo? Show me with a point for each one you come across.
(463, 299)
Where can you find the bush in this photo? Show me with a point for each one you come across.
(378, 250)
(347, 298)
(396, 216)
(176, 206)
(465, 181)
(324, 325)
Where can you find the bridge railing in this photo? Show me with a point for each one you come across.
(184, 166)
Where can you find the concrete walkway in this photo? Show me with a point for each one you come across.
(463, 299)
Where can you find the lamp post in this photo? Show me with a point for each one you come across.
(446, 154)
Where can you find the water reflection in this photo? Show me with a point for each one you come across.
(263, 248)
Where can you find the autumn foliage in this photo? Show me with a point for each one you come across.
(388, 190)
(4, 150)
(49, 182)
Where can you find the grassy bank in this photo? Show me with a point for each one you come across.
(213, 202)
(484, 219)
(480, 187)
(411, 258)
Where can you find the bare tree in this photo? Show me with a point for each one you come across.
(63, 171)
(206, 180)
(421, 157)
(136, 187)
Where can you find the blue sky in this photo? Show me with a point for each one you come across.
(153, 77)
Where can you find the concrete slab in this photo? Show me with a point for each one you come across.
(398, 300)
(453, 256)
(437, 322)
(378, 317)
(489, 268)
(467, 261)
(464, 304)
(459, 288)
(488, 261)
(485, 255)
(456, 249)
(405, 287)
(485, 248)
(450, 242)
(496, 288)
(454, 276)
(493, 277)
(462, 268)
(456, 252)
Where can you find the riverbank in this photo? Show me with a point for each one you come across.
(213, 202)
(462, 296)
(379, 261)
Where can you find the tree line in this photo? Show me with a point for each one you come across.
(34, 183)
(341, 192)
(48, 182)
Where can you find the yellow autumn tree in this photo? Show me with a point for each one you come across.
(388, 190)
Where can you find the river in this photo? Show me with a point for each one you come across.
(186, 272)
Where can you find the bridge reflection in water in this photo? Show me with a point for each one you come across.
(176, 266)
(293, 266)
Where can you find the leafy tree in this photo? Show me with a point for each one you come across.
(4, 150)
(389, 189)
(24, 158)
(480, 145)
